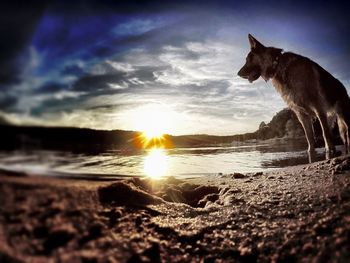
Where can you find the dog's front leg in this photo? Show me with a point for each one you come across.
(306, 122)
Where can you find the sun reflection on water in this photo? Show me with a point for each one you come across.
(156, 163)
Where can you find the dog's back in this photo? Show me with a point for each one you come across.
(306, 86)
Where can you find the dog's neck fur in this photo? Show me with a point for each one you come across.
(284, 61)
(272, 71)
(275, 64)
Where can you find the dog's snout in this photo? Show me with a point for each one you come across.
(241, 73)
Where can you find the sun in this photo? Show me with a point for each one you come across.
(153, 123)
(154, 126)
(153, 120)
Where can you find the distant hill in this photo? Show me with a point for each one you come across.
(61, 138)
(283, 124)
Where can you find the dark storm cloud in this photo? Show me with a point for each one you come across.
(127, 81)
(73, 70)
(132, 7)
(50, 87)
(129, 7)
(96, 83)
(102, 107)
(53, 105)
(17, 23)
(111, 107)
(7, 102)
(56, 105)
(107, 6)
(146, 73)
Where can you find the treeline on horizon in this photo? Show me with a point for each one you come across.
(283, 124)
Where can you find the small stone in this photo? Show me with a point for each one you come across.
(307, 248)
(153, 253)
(209, 259)
(260, 245)
(40, 231)
(340, 242)
(113, 216)
(138, 221)
(59, 237)
(322, 229)
(237, 175)
(188, 248)
(95, 230)
(258, 173)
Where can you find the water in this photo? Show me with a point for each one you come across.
(179, 162)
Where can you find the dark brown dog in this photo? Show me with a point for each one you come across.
(308, 89)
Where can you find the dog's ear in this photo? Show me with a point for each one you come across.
(254, 44)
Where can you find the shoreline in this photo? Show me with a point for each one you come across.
(300, 213)
(181, 164)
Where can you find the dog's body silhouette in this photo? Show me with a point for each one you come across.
(308, 89)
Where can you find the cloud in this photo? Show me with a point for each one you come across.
(72, 70)
(196, 63)
(112, 77)
(18, 21)
(193, 79)
(50, 87)
(94, 83)
(100, 65)
(119, 66)
(137, 26)
(214, 97)
(7, 102)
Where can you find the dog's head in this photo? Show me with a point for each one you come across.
(261, 61)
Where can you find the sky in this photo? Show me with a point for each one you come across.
(120, 64)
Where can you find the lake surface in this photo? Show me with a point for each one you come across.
(179, 162)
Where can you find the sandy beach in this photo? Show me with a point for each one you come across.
(297, 214)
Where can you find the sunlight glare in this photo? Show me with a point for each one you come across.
(156, 163)
(153, 131)
(153, 122)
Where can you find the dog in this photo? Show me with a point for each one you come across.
(308, 89)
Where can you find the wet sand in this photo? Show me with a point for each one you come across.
(298, 214)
